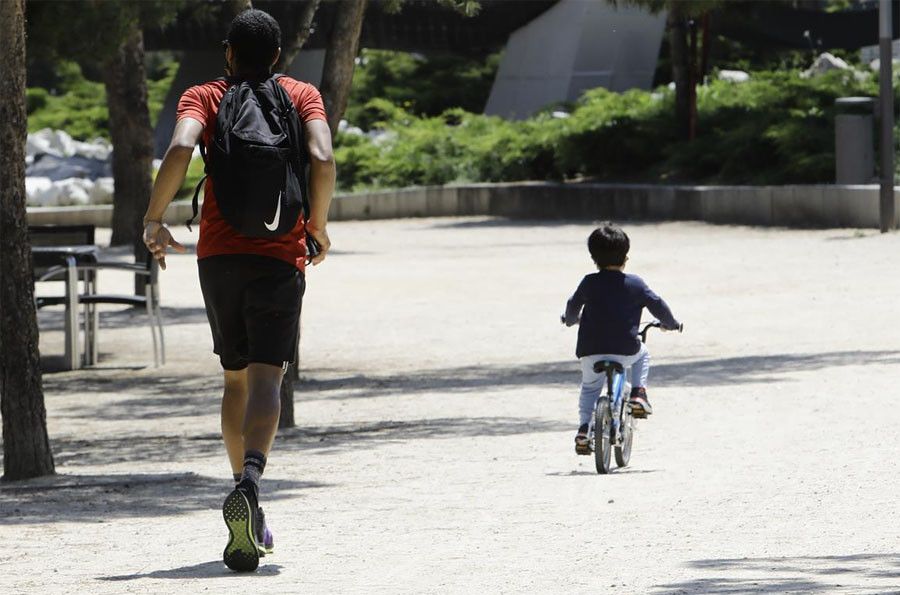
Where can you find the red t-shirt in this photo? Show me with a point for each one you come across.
(201, 102)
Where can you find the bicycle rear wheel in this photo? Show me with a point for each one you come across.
(602, 435)
(623, 451)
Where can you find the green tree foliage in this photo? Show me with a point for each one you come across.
(422, 85)
(78, 105)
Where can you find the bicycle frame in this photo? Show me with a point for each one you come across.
(615, 387)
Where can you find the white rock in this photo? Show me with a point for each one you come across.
(41, 192)
(74, 191)
(39, 143)
(734, 76)
(62, 143)
(824, 63)
(96, 149)
(101, 193)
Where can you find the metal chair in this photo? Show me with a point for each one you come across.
(90, 298)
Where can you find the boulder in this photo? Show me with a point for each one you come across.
(825, 63)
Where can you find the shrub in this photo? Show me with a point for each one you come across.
(777, 128)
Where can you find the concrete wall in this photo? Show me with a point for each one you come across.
(782, 206)
(574, 46)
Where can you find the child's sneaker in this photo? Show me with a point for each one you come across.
(582, 442)
(640, 405)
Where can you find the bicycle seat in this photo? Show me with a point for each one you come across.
(603, 366)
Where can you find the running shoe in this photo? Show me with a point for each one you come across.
(264, 536)
(640, 405)
(239, 510)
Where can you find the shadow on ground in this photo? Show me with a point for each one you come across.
(93, 498)
(708, 372)
(141, 394)
(212, 569)
(71, 453)
(127, 317)
(857, 573)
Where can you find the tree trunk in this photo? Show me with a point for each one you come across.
(26, 446)
(678, 47)
(132, 138)
(295, 31)
(291, 375)
(340, 57)
(125, 79)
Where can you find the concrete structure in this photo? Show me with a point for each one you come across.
(574, 46)
(783, 206)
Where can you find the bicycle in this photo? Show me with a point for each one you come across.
(616, 432)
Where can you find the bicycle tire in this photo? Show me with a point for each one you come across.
(603, 436)
(623, 452)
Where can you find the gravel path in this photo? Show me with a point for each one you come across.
(433, 451)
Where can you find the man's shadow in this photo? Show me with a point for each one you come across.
(212, 569)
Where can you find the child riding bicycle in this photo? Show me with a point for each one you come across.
(608, 306)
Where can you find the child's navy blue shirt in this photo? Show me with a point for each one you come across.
(613, 302)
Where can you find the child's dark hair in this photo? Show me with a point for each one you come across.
(608, 245)
(255, 38)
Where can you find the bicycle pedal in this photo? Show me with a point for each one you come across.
(582, 449)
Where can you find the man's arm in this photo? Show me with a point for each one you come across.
(321, 182)
(168, 180)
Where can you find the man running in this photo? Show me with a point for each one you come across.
(252, 287)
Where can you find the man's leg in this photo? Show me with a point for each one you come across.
(234, 408)
(263, 407)
(249, 537)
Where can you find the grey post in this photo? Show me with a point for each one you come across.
(887, 116)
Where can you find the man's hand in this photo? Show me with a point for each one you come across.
(157, 237)
(320, 235)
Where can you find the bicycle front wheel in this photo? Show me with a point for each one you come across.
(602, 435)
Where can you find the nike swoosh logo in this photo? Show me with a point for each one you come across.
(274, 224)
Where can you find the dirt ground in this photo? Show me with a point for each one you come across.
(435, 416)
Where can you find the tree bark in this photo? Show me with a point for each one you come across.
(678, 47)
(295, 31)
(125, 79)
(340, 57)
(26, 446)
(291, 375)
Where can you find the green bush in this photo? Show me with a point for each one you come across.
(78, 105)
(422, 85)
(777, 128)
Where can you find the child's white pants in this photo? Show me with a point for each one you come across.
(637, 365)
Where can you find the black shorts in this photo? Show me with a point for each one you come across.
(253, 305)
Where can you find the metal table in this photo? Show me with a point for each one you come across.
(66, 259)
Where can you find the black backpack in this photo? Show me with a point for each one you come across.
(257, 160)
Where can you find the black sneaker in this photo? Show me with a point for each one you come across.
(640, 405)
(582, 442)
(240, 512)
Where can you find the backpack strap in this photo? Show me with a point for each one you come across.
(296, 139)
(195, 203)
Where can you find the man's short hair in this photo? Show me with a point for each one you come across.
(255, 37)
(608, 245)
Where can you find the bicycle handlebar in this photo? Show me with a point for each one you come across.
(659, 325)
